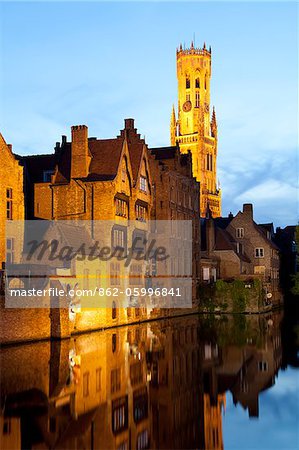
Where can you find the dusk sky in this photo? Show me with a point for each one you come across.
(97, 63)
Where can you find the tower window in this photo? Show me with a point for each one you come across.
(187, 97)
(187, 83)
(206, 82)
(209, 161)
(197, 83)
(197, 99)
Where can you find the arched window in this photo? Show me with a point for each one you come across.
(206, 81)
(197, 98)
(187, 82)
(197, 83)
(113, 310)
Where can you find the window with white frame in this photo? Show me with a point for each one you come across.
(240, 232)
(263, 366)
(206, 273)
(259, 252)
(143, 183)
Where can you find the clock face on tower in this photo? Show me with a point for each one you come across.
(187, 106)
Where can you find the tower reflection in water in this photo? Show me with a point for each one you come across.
(156, 385)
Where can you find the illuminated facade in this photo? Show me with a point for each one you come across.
(195, 129)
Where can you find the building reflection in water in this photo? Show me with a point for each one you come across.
(156, 385)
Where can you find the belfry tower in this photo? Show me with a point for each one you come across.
(195, 128)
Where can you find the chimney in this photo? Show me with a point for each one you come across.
(248, 209)
(210, 234)
(10, 147)
(129, 124)
(80, 158)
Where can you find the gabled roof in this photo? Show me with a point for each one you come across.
(105, 160)
(263, 233)
(223, 240)
(267, 227)
(223, 222)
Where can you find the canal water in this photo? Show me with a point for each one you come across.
(194, 382)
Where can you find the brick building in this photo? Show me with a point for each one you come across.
(96, 179)
(176, 194)
(11, 196)
(99, 179)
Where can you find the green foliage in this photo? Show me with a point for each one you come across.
(230, 296)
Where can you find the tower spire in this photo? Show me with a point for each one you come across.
(173, 127)
(214, 123)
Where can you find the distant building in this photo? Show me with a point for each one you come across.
(285, 239)
(37, 169)
(222, 256)
(241, 246)
(195, 129)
